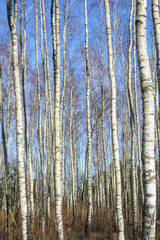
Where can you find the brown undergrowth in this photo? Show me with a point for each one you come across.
(103, 226)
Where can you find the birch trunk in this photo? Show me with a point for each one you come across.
(71, 150)
(48, 175)
(125, 171)
(37, 179)
(103, 130)
(89, 186)
(43, 161)
(57, 163)
(28, 157)
(38, 83)
(19, 123)
(156, 24)
(148, 155)
(132, 124)
(120, 221)
(137, 112)
(64, 85)
(157, 135)
(6, 164)
(30, 178)
(47, 73)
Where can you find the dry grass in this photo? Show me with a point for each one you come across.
(103, 226)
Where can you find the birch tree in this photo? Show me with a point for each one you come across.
(19, 123)
(148, 155)
(136, 109)
(89, 186)
(64, 85)
(71, 147)
(132, 123)
(156, 24)
(103, 126)
(120, 221)
(57, 163)
(6, 164)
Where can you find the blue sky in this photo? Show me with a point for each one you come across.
(76, 49)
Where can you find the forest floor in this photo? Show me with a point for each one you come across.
(103, 226)
(95, 236)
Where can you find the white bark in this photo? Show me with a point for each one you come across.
(156, 24)
(137, 112)
(64, 86)
(19, 123)
(89, 186)
(71, 149)
(57, 163)
(30, 178)
(132, 124)
(103, 130)
(39, 139)
(148, 155)
(120, 221)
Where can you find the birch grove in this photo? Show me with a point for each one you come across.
(79, 119)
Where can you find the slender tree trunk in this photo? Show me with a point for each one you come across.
(30, 178)
(28, 157)
(103, 129)
(132, 123)
(125, 171)
(64, 86)
(37, 179)
(156, 24)
(6, 165)
(19, 123)
(47, 72)
(46, 76)
(137, 112)
(89, 186)
(71, 149)
(114, 127)
(158, 137)
(148, 155)
(57, 163)
(39, 139)
(48, 175)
